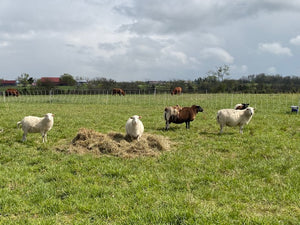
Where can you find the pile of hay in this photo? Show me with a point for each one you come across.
(116, 144)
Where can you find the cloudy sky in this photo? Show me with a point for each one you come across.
(129, 40)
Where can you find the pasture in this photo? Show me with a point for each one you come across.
(204, 178)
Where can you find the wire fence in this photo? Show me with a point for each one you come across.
(213, 101)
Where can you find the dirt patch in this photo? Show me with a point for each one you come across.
(116, 144)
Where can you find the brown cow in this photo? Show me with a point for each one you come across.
(12, 92)
(177, 90)
(118, 91)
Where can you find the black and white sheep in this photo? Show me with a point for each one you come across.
(241, 106)
(134, 127)
(232, 117)
(33, 124)
(180, 115)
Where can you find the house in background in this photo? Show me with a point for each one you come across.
(81, 82)
(6, 83)
(54, 80)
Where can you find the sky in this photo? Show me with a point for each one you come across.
(148, 40)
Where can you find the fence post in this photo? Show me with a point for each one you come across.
(4, 99)
(107, 97)
(50, 96)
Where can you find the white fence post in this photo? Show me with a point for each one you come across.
(4, 99)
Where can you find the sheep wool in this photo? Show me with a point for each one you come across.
(170, 114)
(177, 114)
(134, 127)
(232, 117)
(33, 124)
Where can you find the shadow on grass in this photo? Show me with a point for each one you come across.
(170, 129)
(215, 134)
(291, 113)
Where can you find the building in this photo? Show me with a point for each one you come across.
(8, 83)
(53, 80)
(81, 82)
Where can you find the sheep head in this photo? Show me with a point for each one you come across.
(135, 118)
(250, 110)
(197, 108)
(49, 116)
(241, 106)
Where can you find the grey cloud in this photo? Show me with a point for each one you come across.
(54, 15)
(143, 39)
(144, 58)
(110, 46)
(274, 48)
(295, 41)
(176, 16)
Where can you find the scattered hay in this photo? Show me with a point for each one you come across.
(116, 144)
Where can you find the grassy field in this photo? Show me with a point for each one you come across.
(205, 178)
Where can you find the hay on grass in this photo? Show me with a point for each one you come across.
(117, 144)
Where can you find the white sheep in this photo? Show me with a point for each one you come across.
(33, 124)
(232, 117)
(134, 127)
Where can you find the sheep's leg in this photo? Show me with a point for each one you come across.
(167, 125)
(24, 136)
(44, 135)
(221, 129)
(187, 125)
(241, 129)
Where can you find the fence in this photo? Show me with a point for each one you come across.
(213, 101)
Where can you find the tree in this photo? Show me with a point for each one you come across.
(67, 79)
(102, 83)
(47, 84)
(24, 79)
(220, 72)
(30, 80)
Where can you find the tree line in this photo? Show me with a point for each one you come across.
(214, 82)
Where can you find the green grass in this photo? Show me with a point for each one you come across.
(206, 178)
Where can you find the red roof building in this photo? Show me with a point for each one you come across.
(54, 80)
(8, 83)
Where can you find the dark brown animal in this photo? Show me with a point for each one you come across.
(185, 115)
(118, 91)
(177, 90)
(12, 92)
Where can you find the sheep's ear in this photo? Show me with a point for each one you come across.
(140, 117)
(131, 117)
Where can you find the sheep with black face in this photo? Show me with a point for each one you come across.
(182, 115)
(241, 106)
